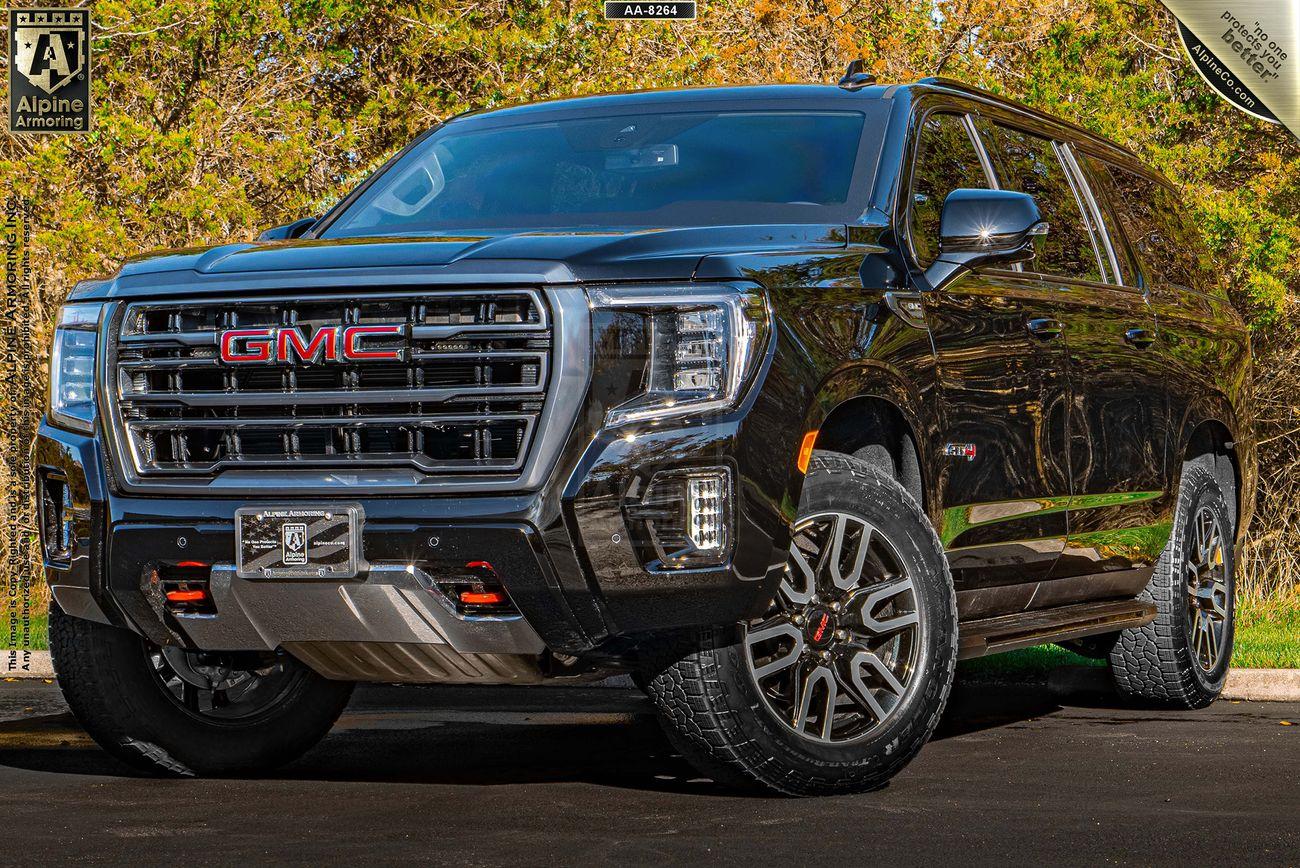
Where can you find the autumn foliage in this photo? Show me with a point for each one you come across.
(214, 120)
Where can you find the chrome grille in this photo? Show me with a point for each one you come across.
(463, 395)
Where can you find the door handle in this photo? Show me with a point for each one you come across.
(1140, 338)
(1044, 328)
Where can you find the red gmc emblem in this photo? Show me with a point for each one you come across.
(821, 627)
(287, 345)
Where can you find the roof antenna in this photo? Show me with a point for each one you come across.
(856, 77)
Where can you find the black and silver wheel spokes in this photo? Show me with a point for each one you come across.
(217, 686)
(1207, 590)
(838, 650)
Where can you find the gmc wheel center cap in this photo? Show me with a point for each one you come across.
(819, 629)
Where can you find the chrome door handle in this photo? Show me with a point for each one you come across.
(1044, 328)
(1140, 338)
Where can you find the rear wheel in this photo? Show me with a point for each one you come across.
(1182, 657)
(843, 679)
(172, 711)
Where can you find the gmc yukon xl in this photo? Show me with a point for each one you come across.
(780, 398)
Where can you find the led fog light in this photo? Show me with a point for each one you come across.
(684, 519)
(705, 519)
(54, 506)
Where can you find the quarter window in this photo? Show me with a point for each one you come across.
(946, 160)
(1029, 164)
(1158, 227)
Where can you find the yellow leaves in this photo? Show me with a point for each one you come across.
(1270, 161)
(766, 12)
(216, 119)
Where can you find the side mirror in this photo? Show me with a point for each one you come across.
(984, 227)
(288, 230)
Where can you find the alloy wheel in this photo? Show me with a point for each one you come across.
(1207, 590)
(221, 687)
(839, 650)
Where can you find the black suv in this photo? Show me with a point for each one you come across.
(781, 398)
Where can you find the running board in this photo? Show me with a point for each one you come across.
(1024, 629)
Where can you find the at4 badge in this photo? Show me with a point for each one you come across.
(49, 70)
(959, 450)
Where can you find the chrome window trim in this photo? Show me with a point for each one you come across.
(1082, 187)
(1085, 210)
(985, 160)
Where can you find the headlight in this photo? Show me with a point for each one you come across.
(72, 367)
(700, 346)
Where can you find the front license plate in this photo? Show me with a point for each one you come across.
(297, 542)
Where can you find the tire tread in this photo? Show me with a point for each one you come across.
(700, 707)
(96, 667)
(1153, 662)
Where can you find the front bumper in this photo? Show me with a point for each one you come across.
(393, 625)
(567, 555)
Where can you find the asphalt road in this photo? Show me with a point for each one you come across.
(582, 775)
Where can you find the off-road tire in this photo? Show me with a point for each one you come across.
(1155, 663)
(709, 703)
(105, 677)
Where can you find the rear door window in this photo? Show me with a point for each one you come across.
(1160, 230)
(1029, 163)
(946, 160)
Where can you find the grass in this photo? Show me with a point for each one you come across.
(1028, 664)
(1268, 637)
(1268, 634)
(40, 629)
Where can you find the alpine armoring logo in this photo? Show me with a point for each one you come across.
(49, 70)
(287, 346)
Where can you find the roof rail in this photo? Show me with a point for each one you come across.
(856, 76)
(954, 84)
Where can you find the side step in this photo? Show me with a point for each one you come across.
(1024, 629)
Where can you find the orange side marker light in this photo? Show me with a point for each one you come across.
(186, 596)
(806, 451)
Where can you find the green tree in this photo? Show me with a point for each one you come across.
(215, 119)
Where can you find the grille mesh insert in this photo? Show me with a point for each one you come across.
(463, 396)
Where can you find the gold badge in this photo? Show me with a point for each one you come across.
(49, 70)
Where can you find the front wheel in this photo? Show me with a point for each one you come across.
(177, 712)
(843, 680)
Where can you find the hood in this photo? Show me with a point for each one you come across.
(513, 257)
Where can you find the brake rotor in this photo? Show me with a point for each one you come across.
(205, 676)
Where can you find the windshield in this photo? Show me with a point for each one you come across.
(626, 170)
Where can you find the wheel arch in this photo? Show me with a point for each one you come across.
(871, 409)
(1209, 430)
